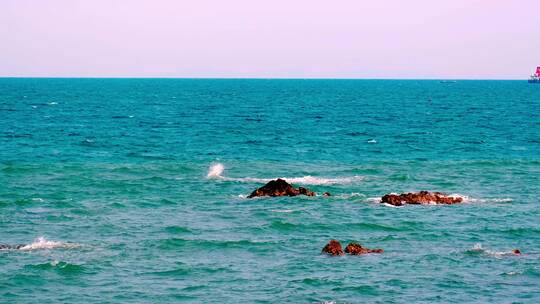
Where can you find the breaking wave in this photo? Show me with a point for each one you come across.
(42, 243)
(216, 170)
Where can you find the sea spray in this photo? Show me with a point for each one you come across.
(215, 171)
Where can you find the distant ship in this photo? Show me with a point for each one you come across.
(536, 77)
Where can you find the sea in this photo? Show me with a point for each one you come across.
(135, 190)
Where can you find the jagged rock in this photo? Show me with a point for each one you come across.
(419, 198)
(333, 248)
(356, 249)
(280, 187)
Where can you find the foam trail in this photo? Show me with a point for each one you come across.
(468, 199)
(215, 172)
(42, 243)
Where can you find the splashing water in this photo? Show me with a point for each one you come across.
(215, 171)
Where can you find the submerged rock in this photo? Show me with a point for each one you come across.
(7, 247)
(356, 249)
(333, 248)
(280, 187)
(420, 198)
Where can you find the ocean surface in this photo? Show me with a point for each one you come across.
(134, 190)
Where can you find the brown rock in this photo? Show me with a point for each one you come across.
(516, 251)
(356, 249)
(304, 191)
(420, 198)
(333, 248)
(392, 199)
(280, 187)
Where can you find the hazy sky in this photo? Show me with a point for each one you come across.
(274, 38)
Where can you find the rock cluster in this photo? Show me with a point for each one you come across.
(280, 187)
(334, 248)
(420, 198)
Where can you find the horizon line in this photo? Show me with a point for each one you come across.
(252, 78)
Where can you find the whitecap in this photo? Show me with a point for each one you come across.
(42, 243)
(496, 254)
(374, 199)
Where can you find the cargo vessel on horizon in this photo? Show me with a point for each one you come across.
(535, 78)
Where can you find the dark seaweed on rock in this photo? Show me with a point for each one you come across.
(280, 187)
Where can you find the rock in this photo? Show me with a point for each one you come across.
(333, 248)
(304, 191)
(420, 198)
(7, 246)
(392, 199)
(280, 187)
(516, 251)
(326, 194)
(356, 249)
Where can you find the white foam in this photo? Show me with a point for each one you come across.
(496, 254)
(374, 199)
(42, 243)
(468, 199)
(216, 170)
(392, 206)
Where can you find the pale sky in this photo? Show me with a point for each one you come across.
(478, 39)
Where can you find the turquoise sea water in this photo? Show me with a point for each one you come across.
(107, 182)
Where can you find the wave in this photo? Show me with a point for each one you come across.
(478, 249)
(42, 243)
(175, 243)
(58, 266)
(216, 172)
